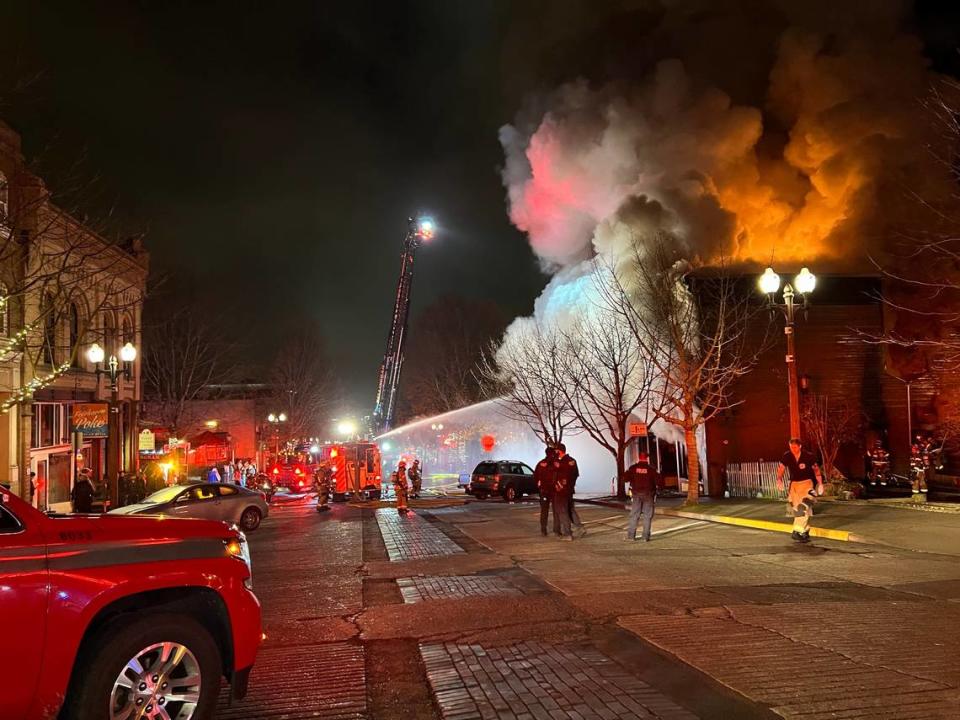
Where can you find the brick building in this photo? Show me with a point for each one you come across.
(833, 360)
(63, 287)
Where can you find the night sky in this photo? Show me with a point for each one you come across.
(273, 151)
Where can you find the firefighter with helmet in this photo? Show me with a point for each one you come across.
(415, 474)
(400, 487)
(323, 481)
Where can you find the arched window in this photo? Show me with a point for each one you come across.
(4, 198)
(110, 334)
(75, 335)
(127, 332)
(49, 331)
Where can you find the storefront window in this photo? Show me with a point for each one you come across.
(58, 482)
(50, 426)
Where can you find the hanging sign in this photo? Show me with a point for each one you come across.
(638, 429)
(148, 440)
(90, 419)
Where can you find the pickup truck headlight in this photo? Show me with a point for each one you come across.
(238, 548)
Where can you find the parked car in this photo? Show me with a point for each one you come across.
(508, 478)
(208, 501)
(106, 616)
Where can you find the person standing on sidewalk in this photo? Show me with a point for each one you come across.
(545, 476)
(804, 471)
(643, 481)
(566, 473)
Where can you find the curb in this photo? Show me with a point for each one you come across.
(769, 525)
(827, 533)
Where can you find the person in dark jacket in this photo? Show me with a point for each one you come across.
(545, 476)
(566, 473)
(643, 481)
(82, 493)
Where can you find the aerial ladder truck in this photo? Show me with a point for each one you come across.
(418, 230)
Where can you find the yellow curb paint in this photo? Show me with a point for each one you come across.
(841, 535)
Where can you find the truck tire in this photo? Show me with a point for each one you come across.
(250, 519)
(169, 647)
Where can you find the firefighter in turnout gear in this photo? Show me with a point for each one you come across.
(879, 463)
(323, 482)
(545, 476)
(400, 487)
(416, 478)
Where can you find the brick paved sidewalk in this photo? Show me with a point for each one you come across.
(825, 660)
(410, 537)
(538, 681)
(418, 589)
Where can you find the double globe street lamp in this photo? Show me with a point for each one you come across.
(803, 284)
(275, 419)
(118, 365)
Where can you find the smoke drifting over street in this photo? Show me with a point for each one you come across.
(809, 166)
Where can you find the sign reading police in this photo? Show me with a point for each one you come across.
(90, 420)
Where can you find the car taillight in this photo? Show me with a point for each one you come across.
(276, 471)
(496, 478)
(300, 484)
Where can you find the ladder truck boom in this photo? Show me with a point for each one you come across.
(418, 230)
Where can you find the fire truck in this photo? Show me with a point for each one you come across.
(356, 468)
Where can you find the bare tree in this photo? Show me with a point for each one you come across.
(526, 374)
(830, 426)
(606, 377)
(58, 276)
(183, 354)
(693, 330)
(448, 340)
(304, 385)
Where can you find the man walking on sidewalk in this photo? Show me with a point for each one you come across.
(643, 481)
(801, 495)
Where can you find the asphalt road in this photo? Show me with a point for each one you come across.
(463, 611)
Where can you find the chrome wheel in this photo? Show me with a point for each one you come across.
(161, 682)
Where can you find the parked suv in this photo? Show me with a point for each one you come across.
(106, 616)
(508, 478)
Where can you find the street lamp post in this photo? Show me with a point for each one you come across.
(803, 284)
(275, 420)
(116, 367)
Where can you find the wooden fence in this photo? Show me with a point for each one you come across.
(754, 479)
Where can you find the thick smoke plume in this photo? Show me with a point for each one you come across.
(808, 171)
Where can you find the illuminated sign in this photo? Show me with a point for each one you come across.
(90, 420)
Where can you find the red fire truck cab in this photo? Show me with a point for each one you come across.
(356, 469)
(121, 616)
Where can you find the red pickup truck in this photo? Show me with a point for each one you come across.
(121, 617)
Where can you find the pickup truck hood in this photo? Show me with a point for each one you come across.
(136, 528)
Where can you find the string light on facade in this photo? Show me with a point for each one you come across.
(37, 383)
